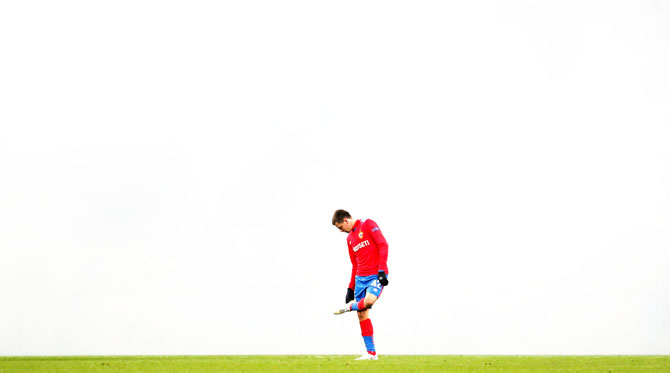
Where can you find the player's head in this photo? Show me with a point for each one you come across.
(343, 221)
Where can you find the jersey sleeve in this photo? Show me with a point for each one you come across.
(382, 245)
(354, 265)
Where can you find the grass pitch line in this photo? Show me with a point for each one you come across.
(335, 363)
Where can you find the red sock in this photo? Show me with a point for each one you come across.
(366, 328)
(366, 332)
(361, 304)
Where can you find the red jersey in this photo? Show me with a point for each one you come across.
(368, 250)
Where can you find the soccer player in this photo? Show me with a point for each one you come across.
(368, 252)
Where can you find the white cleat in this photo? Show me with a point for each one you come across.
(345, 308)
(368, 357)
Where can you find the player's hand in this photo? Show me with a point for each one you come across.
(382, 278)
(350, 296)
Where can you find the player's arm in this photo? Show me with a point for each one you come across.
(383, 247)
(352, 281)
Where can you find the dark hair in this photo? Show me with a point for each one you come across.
(340, 215)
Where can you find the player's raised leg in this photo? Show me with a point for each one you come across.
(365, 303)
(362, 304)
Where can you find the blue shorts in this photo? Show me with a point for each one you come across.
(367, 284)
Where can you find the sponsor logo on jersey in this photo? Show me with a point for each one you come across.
(361, 245)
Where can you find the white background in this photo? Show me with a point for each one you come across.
(169, 170)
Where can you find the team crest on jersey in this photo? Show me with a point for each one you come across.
(360, 235)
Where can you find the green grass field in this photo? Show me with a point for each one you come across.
(336, 363)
